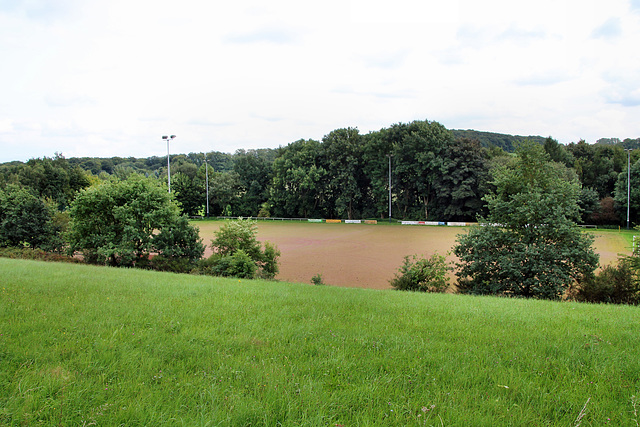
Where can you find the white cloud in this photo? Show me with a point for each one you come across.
(610, 29)
(404, 11)
(622, 87)
(276, 35)
(6, 126)
(544, 78)
(111, 76)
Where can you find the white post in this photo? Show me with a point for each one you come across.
(168, 138)
(389, 155)
(206, 169)
(628, 184)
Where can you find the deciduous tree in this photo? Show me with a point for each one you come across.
(121, 223)
(529, 245)
(462, 182)
(254, 174)
(189, 192)
(347, 183)
(26, 220)
(235, 243)
(299, 181)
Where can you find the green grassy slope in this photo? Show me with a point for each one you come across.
(82, 344)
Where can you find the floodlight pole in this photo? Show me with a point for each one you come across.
(390, 156)
(168, 138)
(628, 150)
(206, 170)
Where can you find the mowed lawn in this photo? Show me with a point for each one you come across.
(368, 256)
(85, 345)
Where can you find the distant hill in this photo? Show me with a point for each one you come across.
(628, 143)
(491, 139)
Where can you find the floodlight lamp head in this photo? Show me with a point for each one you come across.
(165, 137)
(173, 136)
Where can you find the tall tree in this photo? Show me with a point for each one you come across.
(462, 182)
(417, 153)
(347, 182)
(189, 192)
(376, 151)
(598, 166)
(530, 245)
(299, 181)
(53, 179)
(558, 153)
(26, 220)
(254, 176)
(224, 193)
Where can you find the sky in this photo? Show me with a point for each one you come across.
(102, 78)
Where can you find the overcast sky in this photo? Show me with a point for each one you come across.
(108, 78)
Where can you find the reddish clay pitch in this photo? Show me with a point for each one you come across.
(362, 255)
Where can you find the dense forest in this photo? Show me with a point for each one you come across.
(435, 174)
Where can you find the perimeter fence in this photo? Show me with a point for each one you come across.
(346, 221)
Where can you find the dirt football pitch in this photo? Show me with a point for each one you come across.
(366, 255)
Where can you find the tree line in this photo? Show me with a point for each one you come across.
(131, 222)
(432, 173)
(528, 202)
(528, 246)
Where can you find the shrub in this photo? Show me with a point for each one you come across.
(317, 280)
(265, 211)
(238, 265)
(269, 263)
(120, 223)
(613, 284)
(619, 284)
(170, 264)
(236, 236)
(206, 265)
(530, 245)
(27, 221)
(60, 225)
(36, 254)
(180, 241)
(422, 274)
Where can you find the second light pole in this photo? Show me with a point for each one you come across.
(206, 171)
(390, 156)
(628, 150)
(168, 138)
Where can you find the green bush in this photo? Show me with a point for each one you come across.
(317, 280)
(120, 223)
(206, 266)
(236, 236)
(170, 264)
(269, 262)
(619, 284)
(422, 274)
(27, 221)
(36, 254)
(265, 211)
(530, 245)
(613, 284)
(179, 239)
(238, 265)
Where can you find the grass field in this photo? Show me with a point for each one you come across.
(368, 256)
(84, 345)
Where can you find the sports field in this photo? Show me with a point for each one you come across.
(367, 256)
